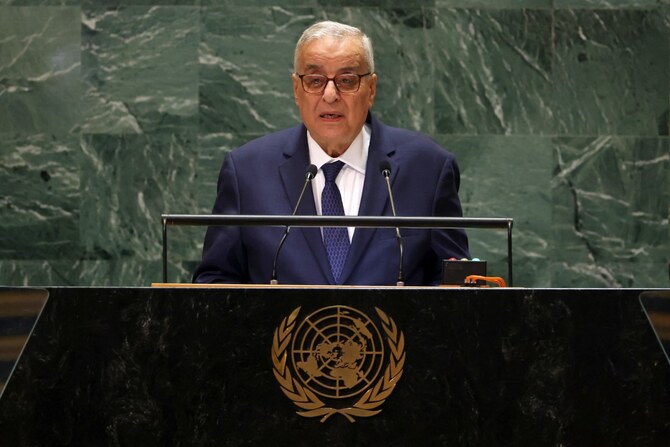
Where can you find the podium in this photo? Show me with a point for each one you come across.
(202, 366)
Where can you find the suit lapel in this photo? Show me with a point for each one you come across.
(374, 200)
(292, 173)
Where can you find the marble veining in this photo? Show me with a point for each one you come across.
(493, 72)
(124, 50)
(609, 68)
(602, 217)
(44, 169)
(39, 69)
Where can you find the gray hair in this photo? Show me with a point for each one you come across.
(339, 31)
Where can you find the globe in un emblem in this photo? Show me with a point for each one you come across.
(337, 352)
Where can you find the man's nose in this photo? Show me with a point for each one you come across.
(330, 93)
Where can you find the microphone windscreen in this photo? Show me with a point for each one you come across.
(311, 172)
(385, 168)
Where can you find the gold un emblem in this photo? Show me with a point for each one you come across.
(332, 362)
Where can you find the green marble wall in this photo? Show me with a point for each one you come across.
(113, 112)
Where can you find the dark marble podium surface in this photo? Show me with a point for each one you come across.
(143, 366)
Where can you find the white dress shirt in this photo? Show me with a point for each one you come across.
(351, 178)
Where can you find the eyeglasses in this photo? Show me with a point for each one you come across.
(344, 83)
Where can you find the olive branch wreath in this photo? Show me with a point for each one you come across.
(310, 402)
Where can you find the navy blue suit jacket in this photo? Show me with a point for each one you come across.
(265, 176)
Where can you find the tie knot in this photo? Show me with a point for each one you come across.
(331, 170)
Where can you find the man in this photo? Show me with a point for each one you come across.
(334, 86)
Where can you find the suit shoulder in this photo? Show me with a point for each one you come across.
(267, 146)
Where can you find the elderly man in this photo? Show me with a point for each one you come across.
(334, 85)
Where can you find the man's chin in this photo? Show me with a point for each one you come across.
(333, 143)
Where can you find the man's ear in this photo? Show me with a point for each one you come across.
(373, 88)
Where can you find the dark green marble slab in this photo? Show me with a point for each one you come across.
(246, 61)
(611, 73)
(322, 4)
(39, 69)
(493, 72)
(121, 272)
(401, 4)
(498, 4)
(263, 3)
(113, 3)
(140, 68)
(608, 4)
(39, 197)
(610, 209)
(40, 2)
(127, 183)
(508, 177)
(620, 274)
(40, 272)
(125, 272)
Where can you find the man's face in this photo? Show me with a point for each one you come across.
(334, 119)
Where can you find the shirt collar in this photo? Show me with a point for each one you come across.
(355, 156)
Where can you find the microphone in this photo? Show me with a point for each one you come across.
(310, 172)
(385, 169)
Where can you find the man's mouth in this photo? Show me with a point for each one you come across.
(330, 116)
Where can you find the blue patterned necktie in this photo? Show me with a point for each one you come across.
(336, 240)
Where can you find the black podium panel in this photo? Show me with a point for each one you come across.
(139, 366)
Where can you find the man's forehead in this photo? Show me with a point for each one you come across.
(346, 53)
